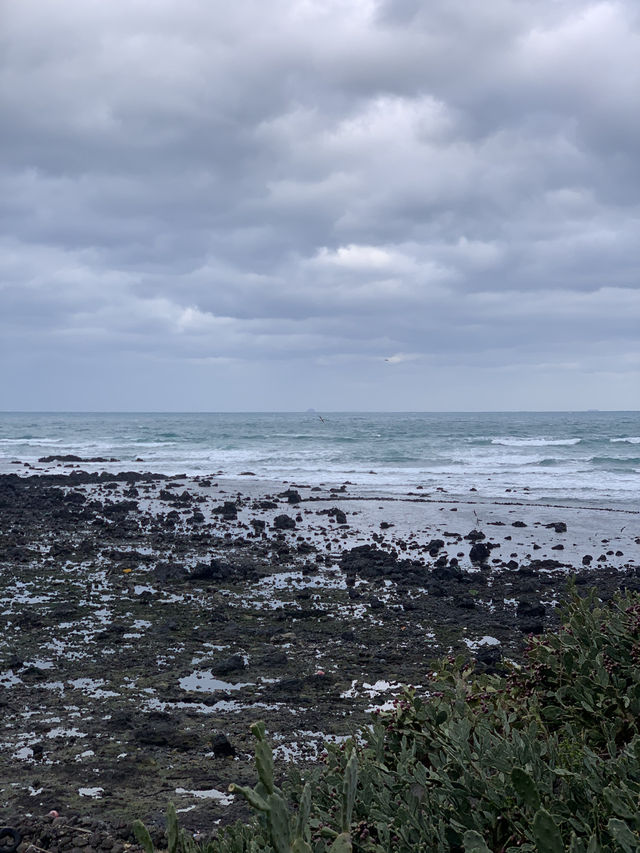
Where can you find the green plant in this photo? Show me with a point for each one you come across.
(285, 835)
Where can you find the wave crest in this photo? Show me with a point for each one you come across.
(536, 442)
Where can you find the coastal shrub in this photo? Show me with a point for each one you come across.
(545, 758)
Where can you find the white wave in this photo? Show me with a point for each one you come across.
(488, 463)
(630, 440)
(293, 435)
(536, 442)
(34, 441)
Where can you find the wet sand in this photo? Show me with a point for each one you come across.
(147, 621)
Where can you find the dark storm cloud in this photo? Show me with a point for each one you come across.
(323, 185)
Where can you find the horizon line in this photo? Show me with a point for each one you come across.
(311, 411)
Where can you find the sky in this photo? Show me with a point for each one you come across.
(339, 204)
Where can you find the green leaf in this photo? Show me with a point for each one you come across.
(172, 829)
(258, 730)
(473, 842)
(252, 797)
(627, 839)
(300, 846)
(546, 833)
(264, 763)
(304, 811)
(576, 844)
(142, 835)
(278, 823)
(593, 846)
(342, 844)
(349, 790)
(525, 787)
(612, 796)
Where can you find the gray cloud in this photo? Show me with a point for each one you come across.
(231, 205)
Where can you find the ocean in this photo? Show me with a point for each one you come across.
(590, 458)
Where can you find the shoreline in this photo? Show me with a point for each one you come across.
(147, 620)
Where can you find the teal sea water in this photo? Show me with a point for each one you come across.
(583, 457)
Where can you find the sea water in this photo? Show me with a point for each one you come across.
(562, 457)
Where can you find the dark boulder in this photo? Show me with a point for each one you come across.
(170, 572)
(161, 730)
(479, 553)
(475, 536)
(235, 663)
(222, 747)
(292, 496)
(338, 514)
(228, 510)
(447, 573)
(488, 659)
(530, 615)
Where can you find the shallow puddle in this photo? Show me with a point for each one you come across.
(205, 682)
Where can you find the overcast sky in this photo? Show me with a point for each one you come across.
(344, 204)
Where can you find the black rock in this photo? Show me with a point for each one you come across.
(447, 573)
(284, 522)
(475, 536)
(170, 572)
(274, 658)
(160, 729)
(558, 526)
(479, 553)
(488, 658)
(338, 514)
(235, 663)
(221, 746)
(528, 609)
(292, 496)
(228, 510)
(267, 504)
(531, 626)
(205, 571)
(33, 673)
(547, 564)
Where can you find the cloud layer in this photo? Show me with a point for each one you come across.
(350, 204)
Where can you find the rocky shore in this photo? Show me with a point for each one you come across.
(146, 621)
